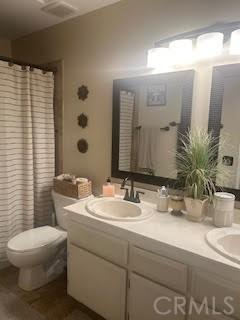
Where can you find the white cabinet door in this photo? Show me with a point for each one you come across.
(106, 246)
(150, 301)
(167, 272)
(96, 283)
(220, 294)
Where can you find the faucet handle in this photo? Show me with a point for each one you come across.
(124, 183)
(137, 198)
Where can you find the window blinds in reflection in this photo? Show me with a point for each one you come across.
(127, 102)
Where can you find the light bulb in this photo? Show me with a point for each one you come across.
(159, 58)
(209, 45)
(235, 42)
(182, 51)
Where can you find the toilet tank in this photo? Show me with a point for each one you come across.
(60, 202)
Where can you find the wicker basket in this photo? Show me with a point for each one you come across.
(77, 191)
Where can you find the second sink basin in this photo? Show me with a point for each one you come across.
(226, 241)
(118, 209)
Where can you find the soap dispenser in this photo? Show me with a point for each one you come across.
(108, 189)
(163, 199)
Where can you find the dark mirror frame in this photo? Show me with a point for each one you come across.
(216, 104)
(123, 84)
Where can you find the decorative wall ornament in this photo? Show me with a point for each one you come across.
(83, 120)
(83, 92)
(82, 145)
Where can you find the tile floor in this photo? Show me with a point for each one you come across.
(51, 300)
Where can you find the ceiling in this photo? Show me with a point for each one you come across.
(21, 17)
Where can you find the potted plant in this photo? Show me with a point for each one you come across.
(197, 167)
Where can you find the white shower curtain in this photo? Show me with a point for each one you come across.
(27, 150)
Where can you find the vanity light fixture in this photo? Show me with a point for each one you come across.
(181, 51)
(209, 45)
(196, 45)
(235, 42)
(159, 58)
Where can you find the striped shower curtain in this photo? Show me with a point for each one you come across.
(27, 151)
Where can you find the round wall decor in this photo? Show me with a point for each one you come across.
(83, 92)
(82, 145)
(83, 120)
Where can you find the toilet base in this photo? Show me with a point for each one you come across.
(31, 278)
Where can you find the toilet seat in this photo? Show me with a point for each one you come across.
(35, 239)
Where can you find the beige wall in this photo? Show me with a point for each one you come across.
(107, 44)
(5, 47)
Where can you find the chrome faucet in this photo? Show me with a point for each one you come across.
(132, 196)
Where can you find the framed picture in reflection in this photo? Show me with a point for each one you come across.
(157, 95)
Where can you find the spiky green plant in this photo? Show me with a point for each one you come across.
(197, 163)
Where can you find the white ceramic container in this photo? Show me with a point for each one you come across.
(223, 204)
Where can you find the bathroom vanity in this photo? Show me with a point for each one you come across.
(140, 270)
(160, 267)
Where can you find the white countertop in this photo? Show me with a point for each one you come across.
(165, 234)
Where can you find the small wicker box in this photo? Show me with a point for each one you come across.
(77, 191)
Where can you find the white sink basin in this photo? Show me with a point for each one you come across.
(226, 241)
(118, 209)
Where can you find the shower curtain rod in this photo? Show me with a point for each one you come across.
(25, 64)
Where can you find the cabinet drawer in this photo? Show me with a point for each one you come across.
(160, 269)
(217, 291)
(96, 283)
(205, 314)
(150, 301)
(106, 246)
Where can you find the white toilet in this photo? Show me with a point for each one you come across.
(40, 253)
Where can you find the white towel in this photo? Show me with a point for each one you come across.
(147, 150)
(166, 154)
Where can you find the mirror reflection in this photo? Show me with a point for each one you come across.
(225, 101)
(153, 111)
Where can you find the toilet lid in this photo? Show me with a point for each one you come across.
(34, 238)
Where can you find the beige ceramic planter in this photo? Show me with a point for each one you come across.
(196, 209)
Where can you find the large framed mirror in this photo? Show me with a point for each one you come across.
(224, 123)
(149, 115)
